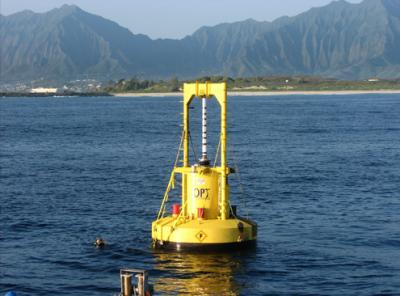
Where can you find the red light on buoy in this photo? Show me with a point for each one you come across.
(200, 213)
(176, 209)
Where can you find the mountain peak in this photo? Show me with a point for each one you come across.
(338, 3)
(250, 20)
(66, 10)
(22, 13)
(70, 8)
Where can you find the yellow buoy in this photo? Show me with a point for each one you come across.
(204, 220)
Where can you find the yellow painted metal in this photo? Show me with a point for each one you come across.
(207, 90)
(202, 187)
(203, 192)
(206, 231)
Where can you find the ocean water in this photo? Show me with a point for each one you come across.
(320, 175)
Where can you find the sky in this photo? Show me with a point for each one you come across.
(173, 18)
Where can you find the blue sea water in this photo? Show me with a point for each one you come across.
(321, 176)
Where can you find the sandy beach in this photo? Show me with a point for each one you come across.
(267, 93)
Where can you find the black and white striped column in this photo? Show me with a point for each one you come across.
(204, 160)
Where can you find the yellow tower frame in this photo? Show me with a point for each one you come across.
(220, 227)
(206, 90)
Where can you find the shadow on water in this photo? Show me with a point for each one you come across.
(199, 273)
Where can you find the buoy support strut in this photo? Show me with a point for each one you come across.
(207, 91)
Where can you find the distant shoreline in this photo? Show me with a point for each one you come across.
(266, 93)
(46, 95)
(230, 93)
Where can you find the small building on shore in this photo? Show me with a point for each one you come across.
(43, 90)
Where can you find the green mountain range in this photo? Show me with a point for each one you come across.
(340, 40)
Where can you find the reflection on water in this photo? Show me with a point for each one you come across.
(198, 274)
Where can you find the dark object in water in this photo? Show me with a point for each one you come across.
(99, 243)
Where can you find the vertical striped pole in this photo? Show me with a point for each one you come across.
(204, 130)
(204, 160)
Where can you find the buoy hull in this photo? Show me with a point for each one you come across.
(172, 234)
(205, 248)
